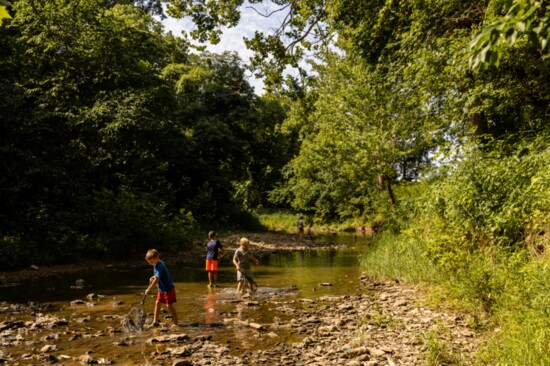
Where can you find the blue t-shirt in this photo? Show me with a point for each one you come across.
(165, 283)
(212, 249)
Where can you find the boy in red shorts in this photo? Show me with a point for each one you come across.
(166, 289)
(212, 258)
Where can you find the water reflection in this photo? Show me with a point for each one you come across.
(210, 316)
(303, 269)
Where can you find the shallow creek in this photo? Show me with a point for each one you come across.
(93, 326)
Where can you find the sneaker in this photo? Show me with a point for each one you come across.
(216, 285)
(155, 325)
(209, 285)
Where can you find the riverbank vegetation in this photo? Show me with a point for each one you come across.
(481, 235)
(426, 120)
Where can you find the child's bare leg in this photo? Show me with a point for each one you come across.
(209, 277)
(239, 286)
(215, 278)
(172, 310)
(156, 312)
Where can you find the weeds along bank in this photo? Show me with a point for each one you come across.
(480, 235)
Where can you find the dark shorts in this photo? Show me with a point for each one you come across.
(167, 298)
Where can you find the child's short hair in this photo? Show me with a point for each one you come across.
(152, 253)
(244, 241)
(211, 234)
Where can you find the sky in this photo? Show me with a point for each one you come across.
(232, 38)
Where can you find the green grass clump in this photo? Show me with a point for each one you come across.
(439, 351)
(523, 319)
(278, 220)
(399, 258)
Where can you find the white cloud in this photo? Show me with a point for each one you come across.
(232, 38)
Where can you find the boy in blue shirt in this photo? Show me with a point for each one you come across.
(166, 289)
(212, 258)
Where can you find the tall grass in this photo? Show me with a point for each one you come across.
(523, 317)
(400, 258)
(288, 221)
(278, 220)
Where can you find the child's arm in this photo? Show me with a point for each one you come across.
(236, 263)
(153, 281)
(253, 258)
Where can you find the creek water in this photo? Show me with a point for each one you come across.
(284, 278)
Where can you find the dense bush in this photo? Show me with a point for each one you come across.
(493, 198)
(120, 225)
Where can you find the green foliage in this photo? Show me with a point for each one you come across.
(400, 258)
(113, 137)
(358, 132)
(478, 230)
(302, 30)
(489, 198)
(438, 351)
(207, 16)
(524, 318)
(525, 18)
(278, 220)
(16, 252)
(237, 147)
(125, 223)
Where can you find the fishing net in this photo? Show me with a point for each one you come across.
(135, 319)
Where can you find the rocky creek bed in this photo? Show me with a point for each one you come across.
(380, 323)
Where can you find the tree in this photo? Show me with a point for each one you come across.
(232, 139)
(75, 79)
(361, 131)
(302, 29)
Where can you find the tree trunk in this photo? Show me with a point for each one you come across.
(390, 193)
(382, 184)
(479, 123)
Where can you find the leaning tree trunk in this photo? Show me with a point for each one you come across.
(390, 193)
(382, 183)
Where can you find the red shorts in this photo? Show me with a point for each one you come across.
(167, 298)
(212, 265)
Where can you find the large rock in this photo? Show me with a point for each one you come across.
(169, 338)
